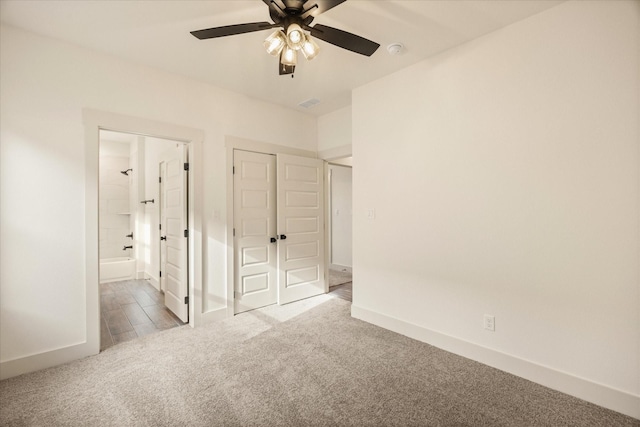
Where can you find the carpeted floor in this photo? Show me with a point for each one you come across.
(281, 366)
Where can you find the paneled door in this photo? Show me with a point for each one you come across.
(174, 234)
(254, 195)
(300, 228)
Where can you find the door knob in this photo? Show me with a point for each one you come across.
(283, 236)
(163, 237)
(272, 239)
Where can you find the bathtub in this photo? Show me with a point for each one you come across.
(114, 269)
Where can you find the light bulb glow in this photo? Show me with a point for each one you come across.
(295, 36)
(289, 56)
(275, 42)
(310, 48)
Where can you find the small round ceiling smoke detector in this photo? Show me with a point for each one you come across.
(395, 48)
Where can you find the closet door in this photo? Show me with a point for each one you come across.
(300, 193)
(254, 194)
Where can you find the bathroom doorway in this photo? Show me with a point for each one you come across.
(132, 303)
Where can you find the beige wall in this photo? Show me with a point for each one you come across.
(508, 185)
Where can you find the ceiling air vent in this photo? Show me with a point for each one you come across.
(309, 103)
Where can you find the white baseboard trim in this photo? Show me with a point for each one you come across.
(214, 315)
(153, 281)
(599, 394)
(36, 362)
(340, 267)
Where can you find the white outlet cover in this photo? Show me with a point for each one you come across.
(489, 322)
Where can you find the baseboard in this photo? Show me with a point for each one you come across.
(340, 267)
(214, 315)
(599, 394)
(36, 362)
(154, 281)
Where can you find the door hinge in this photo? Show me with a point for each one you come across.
(233, 170)
(186, 166)
(186, 300)
(160, 179)
(186, 233)
(234, 232)
(159, 226)
(161, 273)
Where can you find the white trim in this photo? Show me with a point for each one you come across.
(582, 388)
(213, 316)
(234, 143)
(95, 120)
(327, 224)
(335, 153)
(36, 362)
(153, 281)
(341, 267)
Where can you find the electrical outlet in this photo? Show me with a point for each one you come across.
(490, 322)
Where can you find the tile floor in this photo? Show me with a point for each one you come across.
(131, 309)
(344, 291)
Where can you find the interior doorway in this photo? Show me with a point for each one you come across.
(339, 223)
(132, 302)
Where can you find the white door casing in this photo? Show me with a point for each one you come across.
(161, 200)
(174, 263)
(301, 263)
(254, 195)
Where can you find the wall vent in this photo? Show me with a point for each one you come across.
(309, 103)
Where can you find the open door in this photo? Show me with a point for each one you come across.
(301, 262)
(174, 231)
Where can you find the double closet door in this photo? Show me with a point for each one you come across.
(278, 229)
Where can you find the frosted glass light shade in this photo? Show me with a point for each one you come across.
(275, 42)
(295, 36)
(289, 56)
(310, 48)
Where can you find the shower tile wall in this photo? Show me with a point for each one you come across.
(114, 207)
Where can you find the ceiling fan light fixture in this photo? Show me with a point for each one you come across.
(310, 48)
(275, 42)
(295, 36)
(289, 56)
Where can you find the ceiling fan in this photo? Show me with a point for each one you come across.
(293, 18)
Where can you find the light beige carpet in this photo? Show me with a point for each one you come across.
(282, 366)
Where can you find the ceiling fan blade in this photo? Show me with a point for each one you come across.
(344, 39)
(230, 30)
(320, 6)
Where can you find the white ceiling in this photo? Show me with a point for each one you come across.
(156, 33)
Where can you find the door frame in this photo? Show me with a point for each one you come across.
(94, 121)
(329, 156)
(234, 143)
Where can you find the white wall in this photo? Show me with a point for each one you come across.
(341, 215)
(45, 85)
(509, 185)
(114, 200)
(334, 134)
